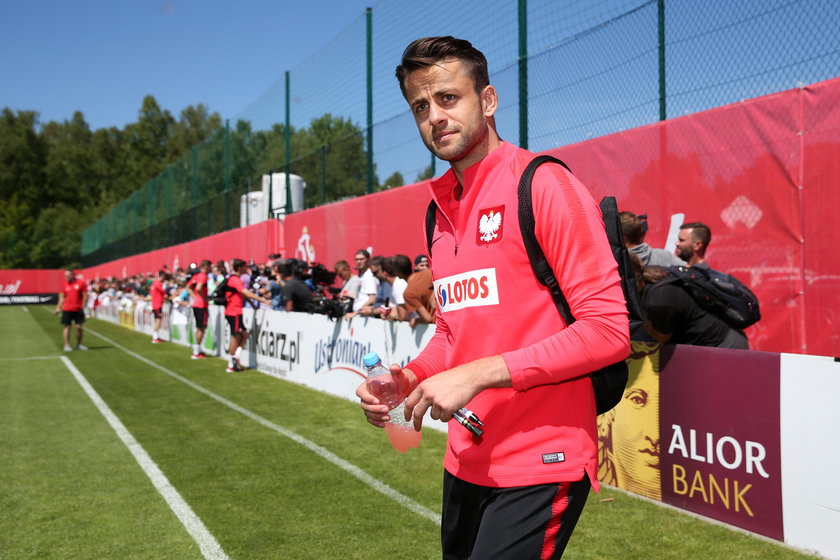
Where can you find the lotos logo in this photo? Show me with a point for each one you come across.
(476, 288)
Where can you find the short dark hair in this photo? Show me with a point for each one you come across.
(363, 252)
(398, 265)
(236, 264)
(699, 232)
(631, 228)
(429, 51)
(285, 268)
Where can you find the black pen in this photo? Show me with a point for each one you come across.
(469, 414)
(474, 430)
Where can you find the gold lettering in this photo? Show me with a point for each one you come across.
(697, 484)
(715, 489)
(739, 497)
(680, 486)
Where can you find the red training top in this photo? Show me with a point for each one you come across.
(74, 295)
(158, 294)
(200, 299)
(234, 296)
(543, 428)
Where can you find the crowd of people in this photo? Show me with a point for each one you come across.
(390, 288)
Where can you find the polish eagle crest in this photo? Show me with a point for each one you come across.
(490, 225)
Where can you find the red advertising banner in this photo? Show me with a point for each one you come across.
(720, 449)
(252, 242)
(30, 281)
(388, 223)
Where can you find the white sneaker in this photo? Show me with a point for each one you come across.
(81, 347)
(67, 348)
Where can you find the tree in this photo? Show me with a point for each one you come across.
(395, 180)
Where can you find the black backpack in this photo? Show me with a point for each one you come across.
(219, 295)
(609, 382)
(721, 294)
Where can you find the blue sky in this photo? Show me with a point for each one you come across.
(103, 56)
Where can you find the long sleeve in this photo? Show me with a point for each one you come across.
(570, 230)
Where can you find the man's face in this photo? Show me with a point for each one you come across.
(422, 265)
(361, 262)
(685, 245)
(69, 275)
(451, 116)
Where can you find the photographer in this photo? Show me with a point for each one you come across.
(296, 293)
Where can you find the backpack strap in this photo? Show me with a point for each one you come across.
(430, 224)
(527, 224)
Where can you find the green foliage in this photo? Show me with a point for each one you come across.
(57, 178)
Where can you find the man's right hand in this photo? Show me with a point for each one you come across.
(377, 413)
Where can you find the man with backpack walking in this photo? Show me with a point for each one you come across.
(514, 488)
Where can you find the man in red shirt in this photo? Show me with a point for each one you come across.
(197, 287)
(500, 348)
(235, 294)
(157, 295)
(71, 304)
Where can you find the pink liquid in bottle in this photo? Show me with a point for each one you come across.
(402, 437)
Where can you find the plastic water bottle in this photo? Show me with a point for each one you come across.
(382, 385)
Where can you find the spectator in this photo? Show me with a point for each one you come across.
(71, 304)
(275, 287)
(672, 316)
(634, 229)
(157, 295)
(198, 290)
(395, 271)
(692, 242)
(419, 293)
(350, 283)
(421, 262)
(369, 284)
(383, 295)
(296, 293)
(236, 294)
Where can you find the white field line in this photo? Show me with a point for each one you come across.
(28, 358)
(346, 466)
(210, 548)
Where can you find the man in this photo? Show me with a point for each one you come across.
(367, 291)
(634, 230)
(692, 242)
(296, 293)
(197, 287)
(235, 295)
(673, 316)
(157, 295)
(421, 262)
(71, 304)
(500, 347)
(395, 271)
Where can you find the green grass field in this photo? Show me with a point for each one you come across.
(262, 468)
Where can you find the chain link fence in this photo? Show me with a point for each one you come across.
(565, 71)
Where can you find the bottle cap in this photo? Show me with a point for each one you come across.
(371, 358)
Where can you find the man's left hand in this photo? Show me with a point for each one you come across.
(446, 392)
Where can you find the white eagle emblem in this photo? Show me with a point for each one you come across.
(489, 226)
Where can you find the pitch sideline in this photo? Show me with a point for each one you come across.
(322, 452)
(207, 543)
